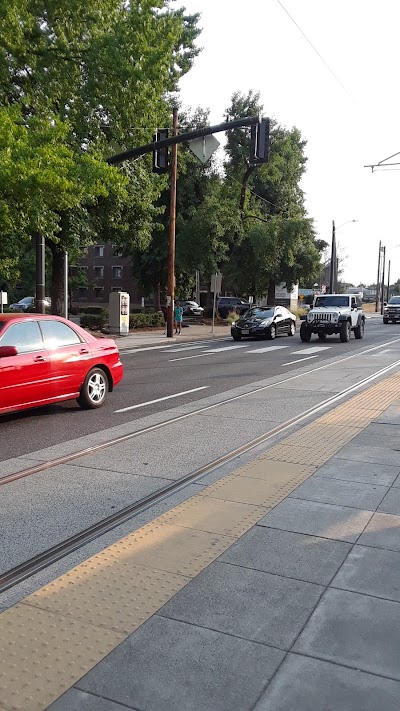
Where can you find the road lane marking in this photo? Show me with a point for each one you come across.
(160, 399)
(140, 349)
(199, 355)
(313, 349)
(292, 362)
(226, 348)
(387, 350)
(184, 348)
(266, 349)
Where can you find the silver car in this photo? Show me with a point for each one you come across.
(28, 303)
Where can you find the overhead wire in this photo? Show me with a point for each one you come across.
(314, 48)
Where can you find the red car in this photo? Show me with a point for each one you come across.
(47, 359)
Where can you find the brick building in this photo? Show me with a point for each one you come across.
(106, 271)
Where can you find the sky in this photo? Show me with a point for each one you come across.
(346, 105)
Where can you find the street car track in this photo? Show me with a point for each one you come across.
(43, 466)
(46, 558)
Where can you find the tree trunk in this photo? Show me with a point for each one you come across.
(57, 279)
(271, 294)
(157, 297)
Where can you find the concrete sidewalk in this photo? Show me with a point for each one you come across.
(299, 613)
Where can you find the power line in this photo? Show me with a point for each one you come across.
(314, 48)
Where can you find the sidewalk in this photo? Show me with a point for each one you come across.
(274, 588)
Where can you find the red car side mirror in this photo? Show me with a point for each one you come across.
(6, 351)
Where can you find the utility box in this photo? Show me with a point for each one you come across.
(119, 313)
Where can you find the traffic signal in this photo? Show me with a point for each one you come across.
(259, 150)
(160, 156)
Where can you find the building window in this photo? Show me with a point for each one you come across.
(98, 292)
(99, 250)
(117, 272)
(117, 251)
(82, 292)
(98, 272)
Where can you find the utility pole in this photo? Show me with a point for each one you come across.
(383, 279)
(388, 283)
(377, 305)
(172, 223)
(333, 260)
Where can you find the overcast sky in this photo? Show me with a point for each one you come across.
(348, 121)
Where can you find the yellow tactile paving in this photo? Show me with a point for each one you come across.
(109, 592)
(229, 518)
(275, 472)
(174, 549)
(56, 635)
(43, 654)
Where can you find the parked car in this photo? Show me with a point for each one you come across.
(391, 310)
(264, 322)
(191, 308)
(28, 303)
(47, 359)
(226, 304)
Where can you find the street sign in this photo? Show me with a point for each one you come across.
(216, 280)
(301, 297)
(204, 147)
(323, 289)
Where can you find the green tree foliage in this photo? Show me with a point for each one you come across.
(278, 242)
(101, 70)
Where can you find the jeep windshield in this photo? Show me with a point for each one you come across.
(394, 300)
(332, 301)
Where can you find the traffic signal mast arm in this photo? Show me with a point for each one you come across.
(198, 133)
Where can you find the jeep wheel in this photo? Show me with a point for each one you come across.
(359, 330)
(322, 336)
(345, 331)
(385, 320)
(271, 333)
(305, 334)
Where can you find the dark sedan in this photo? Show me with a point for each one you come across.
(264, 322)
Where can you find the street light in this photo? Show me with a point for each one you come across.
(334, 265)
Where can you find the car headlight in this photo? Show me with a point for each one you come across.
(386, 308)
(266, 322)
(233, 325)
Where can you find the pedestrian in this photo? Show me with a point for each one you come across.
(178, 311)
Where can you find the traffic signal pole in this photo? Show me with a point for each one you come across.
(172, 224)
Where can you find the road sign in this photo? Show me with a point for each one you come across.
(301, 297)
(204, 147)
(216, 280)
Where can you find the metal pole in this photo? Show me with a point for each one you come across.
(333, 260)
(66, 284)
(377, 305)
(40, 274)
(172, 223)
(383, 279)
(388, 282)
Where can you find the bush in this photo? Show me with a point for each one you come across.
(232, 317)
(146, 320)
(94, 321)
(97, 310)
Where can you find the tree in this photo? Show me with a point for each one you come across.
(278, 242)
(103, 68)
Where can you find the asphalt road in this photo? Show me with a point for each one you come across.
(158, 378)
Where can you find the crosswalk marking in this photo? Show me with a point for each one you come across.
(314, 349)
(266, 349)
(183, 348)
(225, 348)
